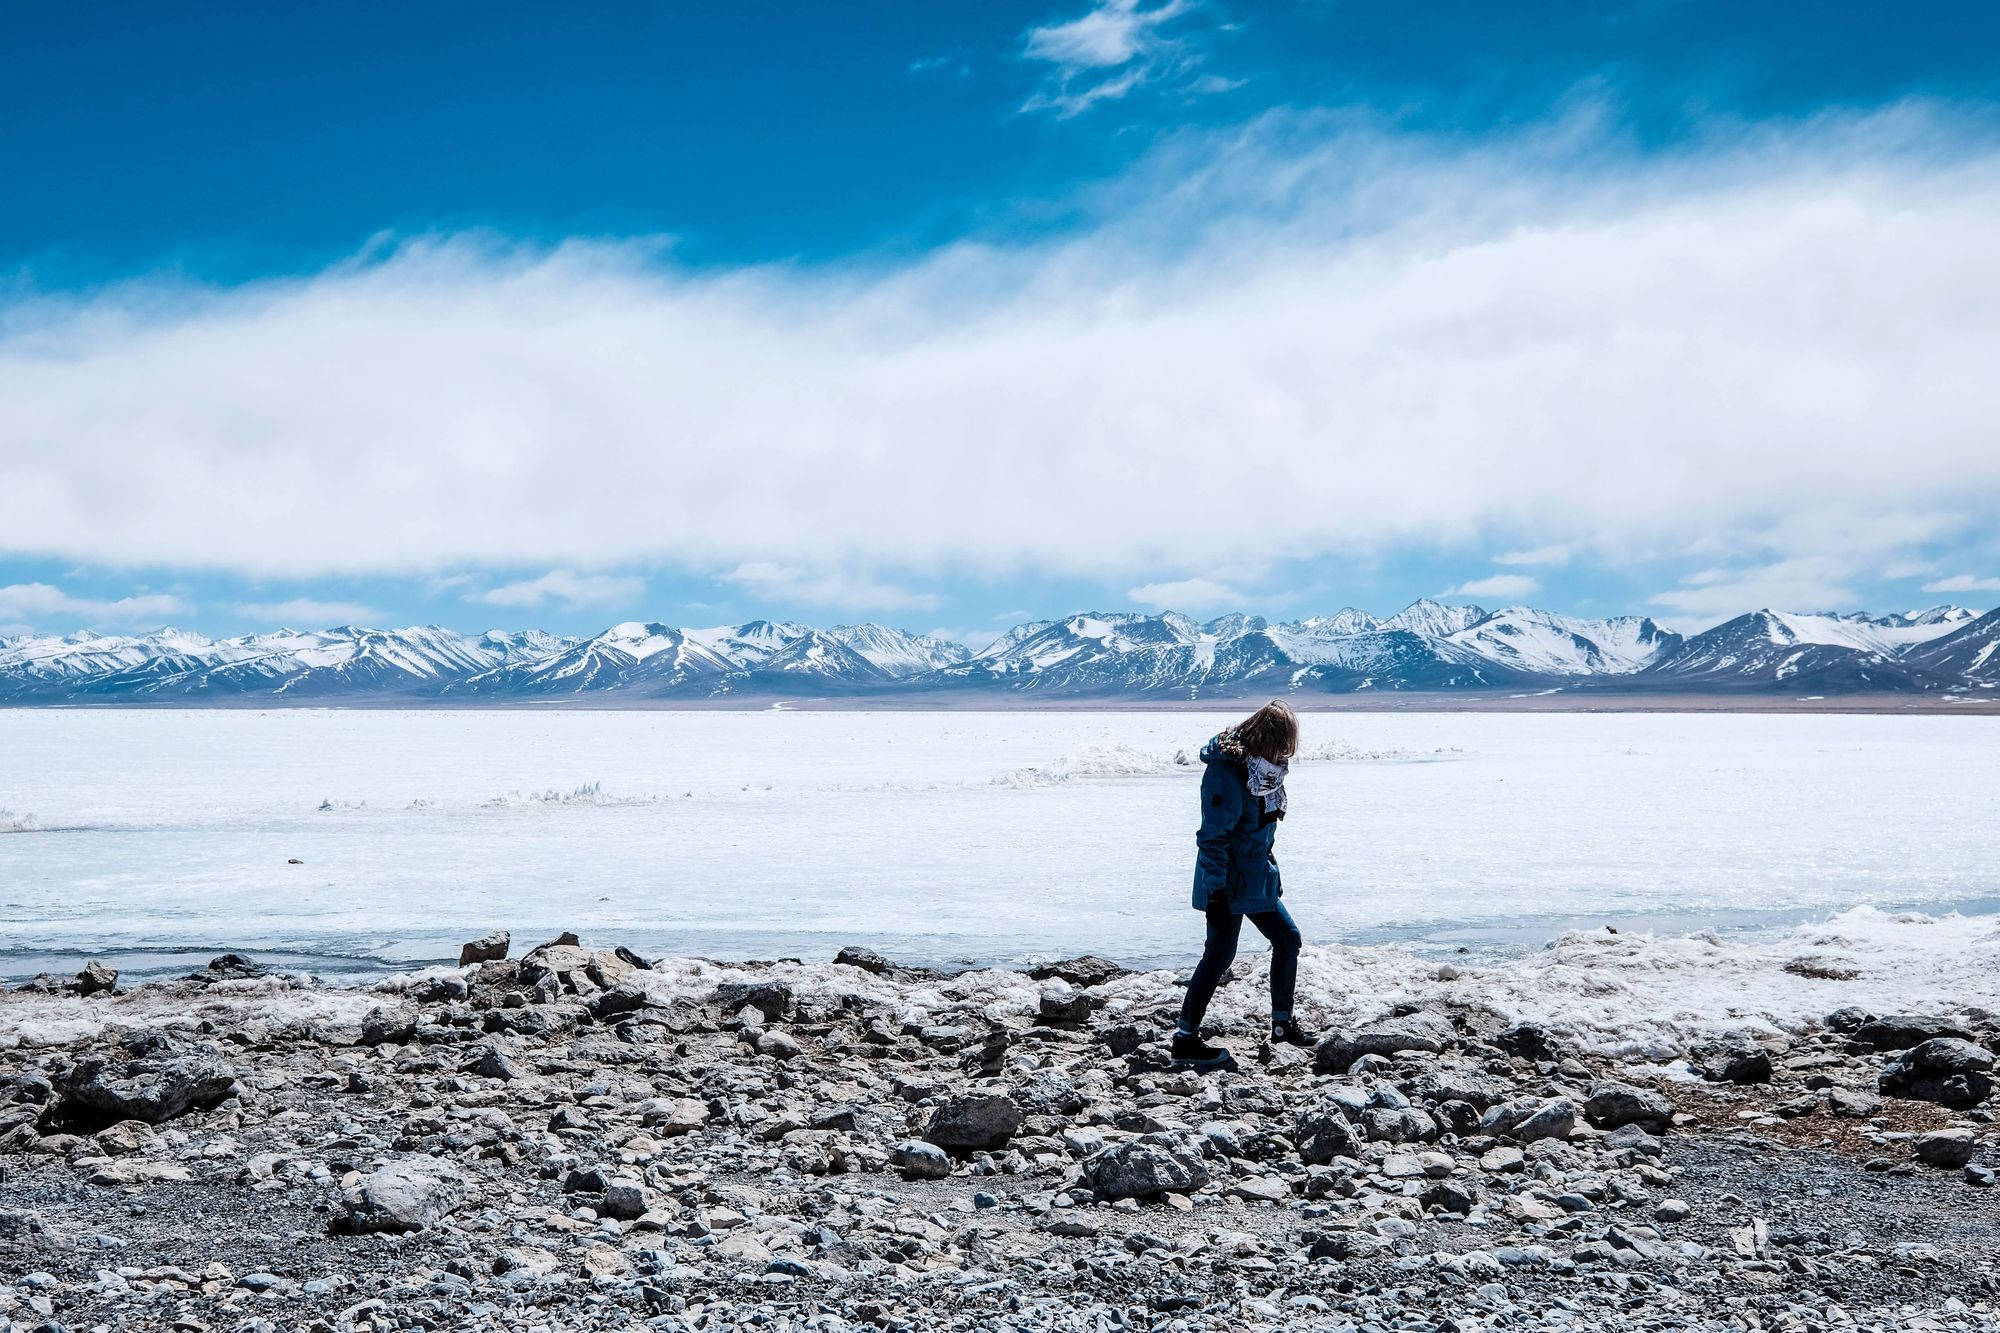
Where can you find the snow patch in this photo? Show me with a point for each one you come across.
(1647, 996)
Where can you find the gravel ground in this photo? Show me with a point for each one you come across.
(550, 1144)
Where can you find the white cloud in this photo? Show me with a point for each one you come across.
(567, 587)
(799, 584)
(1964, 583)
(39, 602)
(1541, 555)
(1108, 51)
(1816, 583)
(311, 613)
(1298, 341)
(1187, 595)
(1496, 585)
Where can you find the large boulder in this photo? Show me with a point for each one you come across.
(489, 948)
(1455, 1084)
(1528, 1120)
(1534, 1043)
(772, 999)
(920, 1160)
(1325, 1131)
(1612, 1104)
(99, 1093)
(1947, 1070)
(1146, 1167)
(1400, 1124)
(564, 965)
(855, 955)
(1083, 973)
(407, 1194)
(1949, 1148)
(1424, 1032)
(973, 1123)
(1732, 1060)
(388, 1026)
(1900, 1032)
(95, 977)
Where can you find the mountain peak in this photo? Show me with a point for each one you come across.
(1433, 619)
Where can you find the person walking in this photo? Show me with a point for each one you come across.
(1235, 875)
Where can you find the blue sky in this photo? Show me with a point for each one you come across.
(950, 314)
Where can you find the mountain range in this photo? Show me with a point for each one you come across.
(1426, 647)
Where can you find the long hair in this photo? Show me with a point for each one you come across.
(1272, 733)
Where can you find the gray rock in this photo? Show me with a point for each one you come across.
(495, 1063)
(1633, 1138)
(1980, 1175)
(779, 1045)
(1612, 1104)
(95, 977)
(1324, 1132)
(1084, 972)
(1527, 1121)
(1070, 1006)
(773, 999)
(920, 1160)
(1945, 1147)
(1422, 1031)
(977, 1121)
(385, 1026)
(1534, 1043)
(1899, 1032)
(623, 1199)
(1145, 1167)
(1732, 1060)
(1405, 1125)
(1451, 1196)
(1947, 1070)
(96, 1093)
(867, 960)
(486, 949)
(1853, 1104)
(1460, 1085)
(408, 1194)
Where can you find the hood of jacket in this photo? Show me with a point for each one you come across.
(1215, 752)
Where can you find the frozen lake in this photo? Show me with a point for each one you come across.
(949, 837)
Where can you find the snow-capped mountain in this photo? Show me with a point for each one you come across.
(1104, 655)
(1434, 620)
(1543, 643)
(1824, 653)
(900, 653)
(1969, 653)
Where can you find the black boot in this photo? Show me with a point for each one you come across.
(1288, 1032)
(1191, 1052)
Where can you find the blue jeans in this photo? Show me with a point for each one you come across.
(1224, 926)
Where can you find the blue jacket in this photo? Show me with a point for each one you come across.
(1233, 863)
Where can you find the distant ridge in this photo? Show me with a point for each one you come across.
(1425, 647)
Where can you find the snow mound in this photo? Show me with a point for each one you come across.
(586, 794)
(1646, 996)
(28, 1019)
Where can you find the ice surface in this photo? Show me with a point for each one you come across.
(957, 837)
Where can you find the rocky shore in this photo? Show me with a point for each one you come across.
(583, 1138)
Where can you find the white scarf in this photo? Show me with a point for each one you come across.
(1267, 783)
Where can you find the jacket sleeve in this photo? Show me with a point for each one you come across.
(1221, 806)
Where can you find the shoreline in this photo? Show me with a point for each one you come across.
(1476, 943)
(513, 1143)
(1610, 701)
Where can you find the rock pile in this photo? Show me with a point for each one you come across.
(579, 1137)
